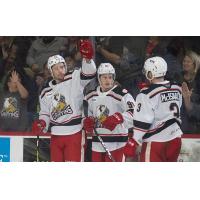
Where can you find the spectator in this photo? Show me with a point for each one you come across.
(190, 68)
(175, 50)
(192, 108)
(13, 113)
(156, 46)
(42, 48)
(191, 63)
(127, 65)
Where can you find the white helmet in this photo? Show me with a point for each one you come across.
(156, 65)
(105, 68)
(55, 60)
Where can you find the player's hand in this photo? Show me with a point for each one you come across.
(112, 121)
(86, 49)
(130, 148)
(38, 126)
(88, 125)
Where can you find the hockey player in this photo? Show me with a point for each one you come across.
(110, 113)
(157, 115)
(61, 105)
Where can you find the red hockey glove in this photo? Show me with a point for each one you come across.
(112, 121)
(86, 49)
(88, 125)
(130, 148)
(143, 85)
(38, 126)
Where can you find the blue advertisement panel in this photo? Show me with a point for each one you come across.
(4, 149)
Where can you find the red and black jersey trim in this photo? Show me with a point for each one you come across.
(141, 125)
(111, 139)
(72, 122)
(113, 96)
(87, 76)
(154, 86)
(166, 125)
(44, 92)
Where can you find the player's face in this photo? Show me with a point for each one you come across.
(58, 71)
(106, 81)
(188, 64)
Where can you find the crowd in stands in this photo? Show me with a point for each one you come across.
(23, 71)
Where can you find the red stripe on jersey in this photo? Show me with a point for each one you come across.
(88, 74)
(78, 116)
(140, 129)
(45, 114)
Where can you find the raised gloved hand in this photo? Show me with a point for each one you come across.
(86, 49)
(112, 121)
(88, 125)
(38, 126)
(130, 148)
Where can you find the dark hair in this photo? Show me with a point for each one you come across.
(175, 46)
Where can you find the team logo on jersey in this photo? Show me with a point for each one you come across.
(102, 114)
(170, 96)
(60, 107)
(10, 108)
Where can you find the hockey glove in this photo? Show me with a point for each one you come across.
(38, 126)
(86, 49)
(88, 125)
(112, 121)
(130, 148)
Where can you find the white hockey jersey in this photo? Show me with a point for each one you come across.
(157, 113)
(61, 104)
(103, 104)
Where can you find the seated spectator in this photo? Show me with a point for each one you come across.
(42, 48)
(13, 112)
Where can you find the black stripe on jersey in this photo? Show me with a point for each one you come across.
(151, 87)
(94, 95)
(114, 97)
(87, 77)
(166, 125)
(130, 110)
(70, 123)
(111, 139)
(120, 91)
(142, 125)
(42, 94)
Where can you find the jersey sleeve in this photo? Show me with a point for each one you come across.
(143, 116)
(128, 104)
(44, 113)
(88, 72)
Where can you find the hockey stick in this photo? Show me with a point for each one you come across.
(37, 149)
(104, 145)
(88, 150)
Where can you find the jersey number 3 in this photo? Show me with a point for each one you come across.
(174, 107)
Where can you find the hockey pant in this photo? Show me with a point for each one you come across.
(66, 148)
(161, 151)
(103, 157)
